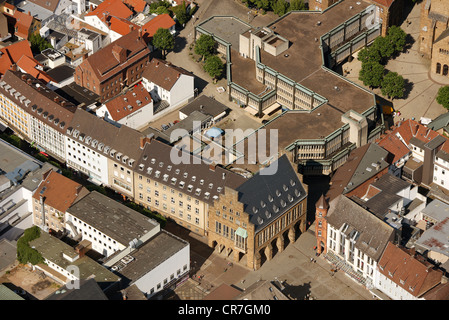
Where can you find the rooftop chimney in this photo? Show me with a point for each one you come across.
(212, 167)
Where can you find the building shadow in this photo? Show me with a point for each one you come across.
(199, 250)
(200, 84)
(180, 44)
(299, 292)
(318, 185)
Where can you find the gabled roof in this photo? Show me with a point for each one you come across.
(383, 194)
(395, 146)
(120, 25)
(163, 73)
(198, 179)
(12, 53)
(129, 102)
(30, 65)
(362, 164)
(136, 5)
(34, 97)
(105, 62)
(112, 8)
(371, 234)
(267, 196)
(410, 272)
(22, 23)
(123, 140)
(412, 129)
(161, 21)
(47, 4)
(59, 192)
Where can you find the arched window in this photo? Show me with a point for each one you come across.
(438, 68)
(445, 70)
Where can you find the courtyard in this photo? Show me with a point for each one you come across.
(421, 86)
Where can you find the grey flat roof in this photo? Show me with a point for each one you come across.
(151, 254)
(37, 11)
(436, 237)
(206, 105)
(11, 157)
(226, 28)
(53, 249)
(437, 210)
(61, 73)
(112, 218)
(8, 252)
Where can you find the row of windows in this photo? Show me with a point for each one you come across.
(165, 281)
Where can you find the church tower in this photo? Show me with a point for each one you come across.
(322, 208)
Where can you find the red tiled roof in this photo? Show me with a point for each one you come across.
(137, 5)
(163, 73)
(112, 8)
(395, 146)
(29, 65)
(412, 273)
(23, 23)
(59, 192)
(120, 25)
(118, 107)
(161, 21)
(412, 129)
(105, 63)
(12, 53)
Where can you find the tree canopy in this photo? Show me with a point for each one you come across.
(297, 5)
(163, 40)
(214, 66)
(38, 44)
(393, 85)
(25, 253)
(205, 46)
(397, 38)
(372, 74)
(443, 96)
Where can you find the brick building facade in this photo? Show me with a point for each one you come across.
(434, 34)
(257, 219)
(119, 64)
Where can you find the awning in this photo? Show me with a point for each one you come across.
(251, 110)
(242, 233)
(272, 108)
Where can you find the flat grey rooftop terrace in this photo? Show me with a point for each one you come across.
(226, 28)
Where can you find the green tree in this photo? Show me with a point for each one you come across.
(25, 253)
(38, 44)
(280, 7)
(205, 46)
(155, 5)
(393, 85)
(368, 54)
(397, 38)
(181, 14)
(263, 4)
(162, 10)
(371, 74)
(163, 40)
(214, 66)
(385, 48)
(298, 5)
(443, 96)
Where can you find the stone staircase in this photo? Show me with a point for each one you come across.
(340, 264)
